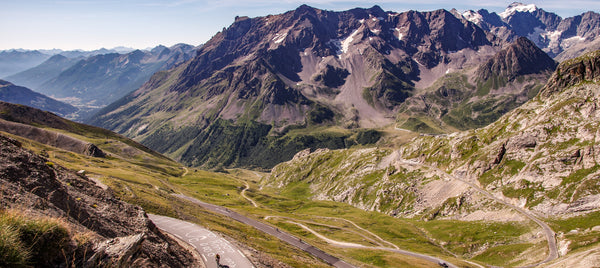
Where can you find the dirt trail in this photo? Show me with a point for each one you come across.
(359, 246)
(243, 193)
(370, 239)
(364, 230)
(185, 171)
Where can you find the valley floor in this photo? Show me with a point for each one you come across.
(345, 233)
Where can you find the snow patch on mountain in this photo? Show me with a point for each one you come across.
(343, 45)
(553, 38)
(473, 16)
(571, 41)
(346, 43)
(536, 35)
(517, 7)
(400, 35)
(279, 37)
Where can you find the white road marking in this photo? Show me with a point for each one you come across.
(207, 243)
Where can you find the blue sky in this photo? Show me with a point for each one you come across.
(93, 24)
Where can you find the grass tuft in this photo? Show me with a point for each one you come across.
(27, 241)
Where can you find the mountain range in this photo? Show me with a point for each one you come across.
(13, 61)
(25, 96)
(17, 60)
(472, 194)
(392, 139)
(97, 80)
(561, 38)
(36, 76)
(259, 82)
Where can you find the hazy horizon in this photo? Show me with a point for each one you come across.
(139, 24)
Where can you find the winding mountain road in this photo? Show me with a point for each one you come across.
(283, 236)
(359, 246)
(207, 243)
(550, 235)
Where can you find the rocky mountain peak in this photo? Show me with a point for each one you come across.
(377, 11)
(520, 58)
(561, 38)
(135, 56)
(57, 58)
(304, 8)
(590, 25)
(305, 11)
(472, 16)
(158, 49)
(518, 7)
(453, 33)
(572, 72)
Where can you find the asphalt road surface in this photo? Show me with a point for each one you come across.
(207, 243)
(283, 236)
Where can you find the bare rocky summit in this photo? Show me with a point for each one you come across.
(478, 96)
(521, 58)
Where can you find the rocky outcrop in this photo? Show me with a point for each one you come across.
(116, 252)
(117, 234)
(332, 77)
(573, 72)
